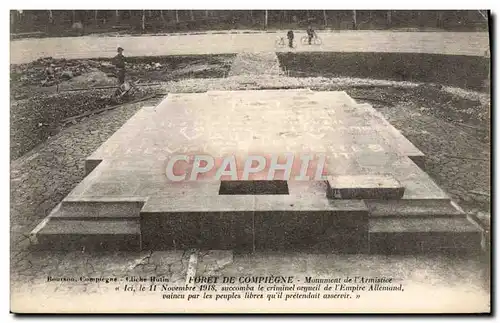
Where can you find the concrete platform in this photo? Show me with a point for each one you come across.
(385, 196)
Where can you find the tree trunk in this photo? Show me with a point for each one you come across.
(117, 16)
(177, 16)
(95, 16)
(251, 16)
(439, 19)
(389, 18)
(192, 14)
(143, 19)
(354, 22)
(74, 16)
(266, 18)
(162, 16)
(325, 18)
(206, 13)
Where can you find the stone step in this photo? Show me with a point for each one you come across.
(349, 187)
(99, 209)
(412, 208)
(101, 235)
(275, 225)
(424, 235)
(342, 231)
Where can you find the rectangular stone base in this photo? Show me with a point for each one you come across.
(364, 187)
(378, 199)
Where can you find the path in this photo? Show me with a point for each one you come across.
(450, 43)
(256, 64)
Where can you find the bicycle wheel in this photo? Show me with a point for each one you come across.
(304, 40)
(317, 41)
(279, 43)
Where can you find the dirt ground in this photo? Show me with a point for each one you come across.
(450, 125)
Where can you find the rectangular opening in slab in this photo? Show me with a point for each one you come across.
(253, 188)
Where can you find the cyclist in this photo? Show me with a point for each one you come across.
(290, 38)
(310, 34)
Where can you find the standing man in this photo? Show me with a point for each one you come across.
(290, 38)
(119, 62)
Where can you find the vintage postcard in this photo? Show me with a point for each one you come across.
(250, 161)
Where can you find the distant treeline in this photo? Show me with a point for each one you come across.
(61, 22)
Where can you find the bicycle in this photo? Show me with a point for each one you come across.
(314, 41)
(280, 42)
(124, 91)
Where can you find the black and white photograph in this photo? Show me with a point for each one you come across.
(250, 161)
